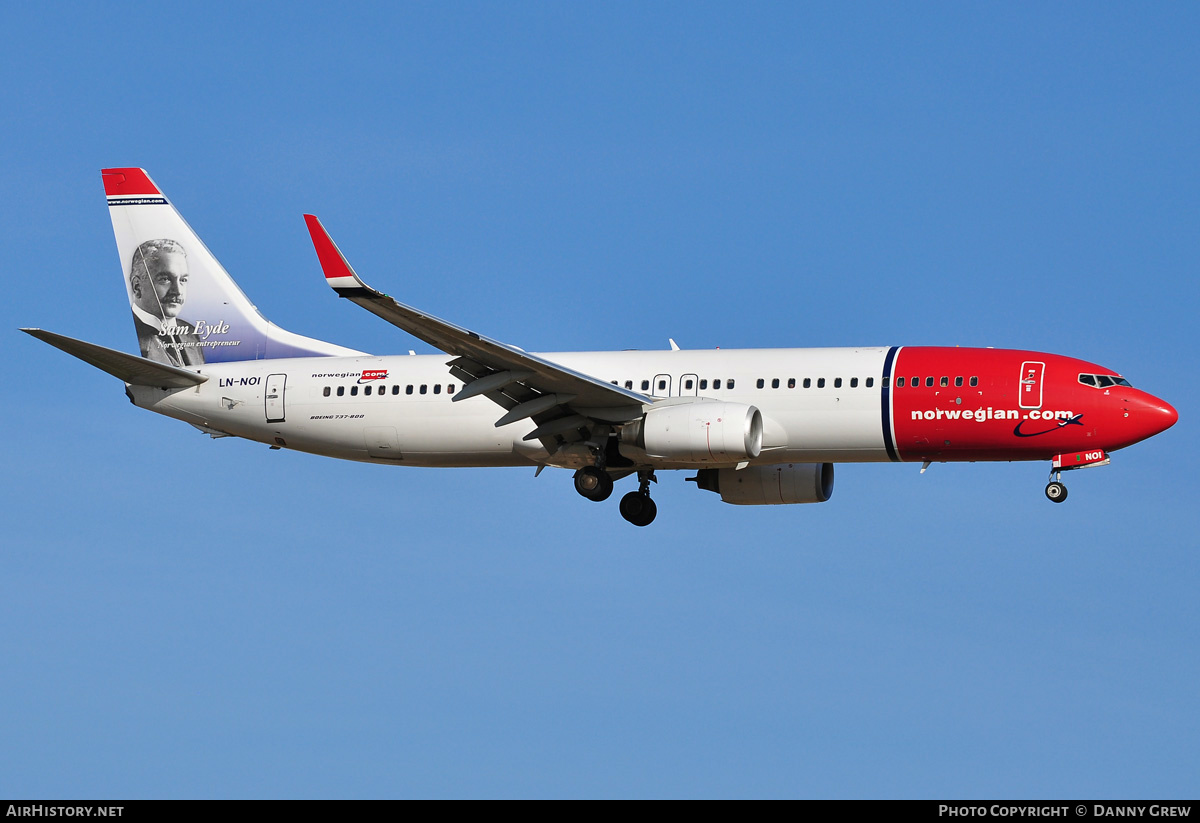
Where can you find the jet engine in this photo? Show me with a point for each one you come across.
(770, 485)
(698, 433)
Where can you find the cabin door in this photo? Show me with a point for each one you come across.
(274, 397)
(1031, 384)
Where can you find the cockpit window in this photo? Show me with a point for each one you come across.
(1103, 381)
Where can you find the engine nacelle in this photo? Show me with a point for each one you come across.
(770, 485)
(704, 432)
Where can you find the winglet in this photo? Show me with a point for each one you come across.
(338, 273)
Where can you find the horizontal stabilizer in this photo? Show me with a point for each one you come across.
(135, 370)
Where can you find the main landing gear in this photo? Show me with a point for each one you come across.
(1056, 492)
(637, 507)
(596, 484)
(593, 483)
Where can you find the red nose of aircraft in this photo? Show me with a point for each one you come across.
(1167, 416)
(1151, 415)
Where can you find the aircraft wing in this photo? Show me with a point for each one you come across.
(137, 371)
(526, 385)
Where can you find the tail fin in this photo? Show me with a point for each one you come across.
(186, 308)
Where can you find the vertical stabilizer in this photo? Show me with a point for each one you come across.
(186, 308)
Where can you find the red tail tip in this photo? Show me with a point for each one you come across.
(127, 181)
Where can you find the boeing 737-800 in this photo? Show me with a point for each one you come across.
(758, 426)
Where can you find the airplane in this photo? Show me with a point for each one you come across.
(758, 426)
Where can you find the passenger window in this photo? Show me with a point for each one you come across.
(341, 390)
(703, 384)
(854, 382)
(899, 382)
(353, 391)
(775, 383)
(958, 381)
(808, 382)
(688, 385)
(820, 382)
(717, 383)
(449, 388)
(760, 383)
(1087, 379)
(662, 385)
(326, 392)
(791, 382)
(729, 383)
(871, 382)
(645, 385)
(629, 384)
(424, 388)
(837, 382)
(408, 389)
(367, 391)
(437, 388)
(929, 382)
(945, 382)
(974, 381)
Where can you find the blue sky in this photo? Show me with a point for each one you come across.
(282, 625)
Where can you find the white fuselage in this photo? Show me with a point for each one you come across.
(295, 403)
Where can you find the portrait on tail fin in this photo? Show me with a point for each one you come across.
(158, 279)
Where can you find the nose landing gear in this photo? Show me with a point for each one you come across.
(1056, 492)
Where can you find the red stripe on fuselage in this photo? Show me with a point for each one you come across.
(988, 422)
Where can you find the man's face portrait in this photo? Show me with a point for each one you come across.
(162, 288)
